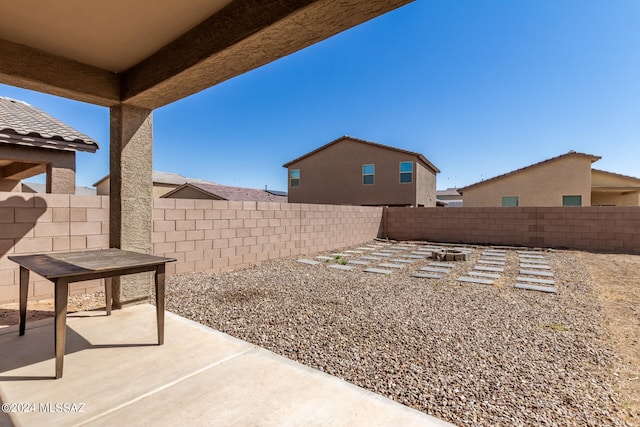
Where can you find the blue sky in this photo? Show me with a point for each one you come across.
(480, 87)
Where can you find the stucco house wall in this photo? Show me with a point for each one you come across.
(334, 175)
(613, 189)
(542, 184)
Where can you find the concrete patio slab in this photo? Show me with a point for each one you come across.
(198, 377)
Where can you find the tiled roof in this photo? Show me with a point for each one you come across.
(226, 192)
(34, 187)
(375, 144)
(562, 156)
(24, 124)
(170, 178)
(448, 192)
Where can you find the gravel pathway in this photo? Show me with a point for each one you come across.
(470, 354)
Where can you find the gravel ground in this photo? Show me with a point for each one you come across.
(467, 353)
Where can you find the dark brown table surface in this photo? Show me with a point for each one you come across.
(68, 267)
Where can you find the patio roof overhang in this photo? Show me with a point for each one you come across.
(149, 53)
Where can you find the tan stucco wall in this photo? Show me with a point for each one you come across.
(10, 185)
(426, 186)
(60, 167)
(334, 176)
(541, 185)
(615, 199)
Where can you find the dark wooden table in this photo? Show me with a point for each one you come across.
(69, 267)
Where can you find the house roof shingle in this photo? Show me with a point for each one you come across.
(375, 144)
(170, 178)
(570, 153)
(226, 192)
(24, 124)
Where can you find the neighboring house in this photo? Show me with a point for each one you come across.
(32, 143)
(194, 190)
(565, 180)
(163, 182)
(352, 171)
(34, 187)
(450, 197)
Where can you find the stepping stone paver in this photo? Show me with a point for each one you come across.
(341, 267)
(534, 280)
(412, 256)
(340, 255)
(324, 258)
(537, 273)
(308, 261)
(353, 252)
(482, 261)
(377, 271)
(442, 264)
(536, 288)
(371, 258)
(436, 269)
(427, 276)
(540, 266)
(481, 274)
(421, 253)
(366, 249)
(475, 280)
(356, 262)
(534, 261)
(380, 254)
(390, 265)
(403, 261)
(531, 256)
(496, 269)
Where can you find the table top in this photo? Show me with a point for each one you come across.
(70, 264)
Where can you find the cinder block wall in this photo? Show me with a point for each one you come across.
(203, 235)
(214, 236)
(610, 229)
(31, 223)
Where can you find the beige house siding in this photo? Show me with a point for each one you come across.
(333, 175)
(159, 189)
(543, 184)
(613, 189)
(426, 186)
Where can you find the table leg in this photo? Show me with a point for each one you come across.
(108, 290)
(159, 279)
(61, 296)
(24, 293)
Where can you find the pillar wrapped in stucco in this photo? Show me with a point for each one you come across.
(131, 195)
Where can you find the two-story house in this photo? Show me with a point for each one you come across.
(352, 171)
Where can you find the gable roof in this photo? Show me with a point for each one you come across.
(362, 141)
(618, 175)
(226, 192)
(24, 124)
(451, 191)
(169, 178)
(553, 159)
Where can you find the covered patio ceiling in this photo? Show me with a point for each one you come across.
(149, 53)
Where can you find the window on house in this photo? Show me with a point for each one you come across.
(406, 172)
(509, 201)
(294, 178)
(368, 174)
(571, 200)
